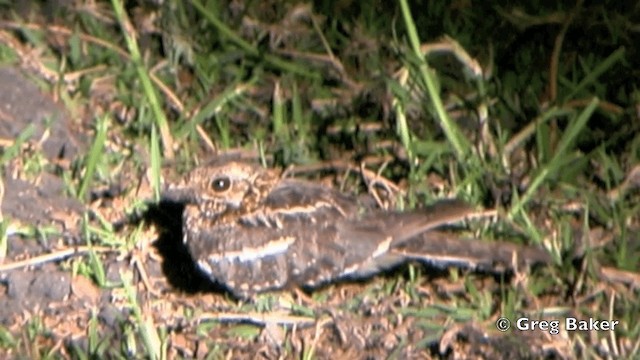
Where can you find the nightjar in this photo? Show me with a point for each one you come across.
(252, 231)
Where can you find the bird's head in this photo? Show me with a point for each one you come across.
(224, 185)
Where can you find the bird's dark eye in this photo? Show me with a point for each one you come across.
(220, 184)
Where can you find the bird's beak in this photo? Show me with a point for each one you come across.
(179, 193)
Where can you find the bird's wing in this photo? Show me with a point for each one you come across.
(376, 234)
(301, 201)
(251, 258)
(405, 225)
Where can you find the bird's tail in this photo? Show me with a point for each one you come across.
(418, 236)
(442, 249)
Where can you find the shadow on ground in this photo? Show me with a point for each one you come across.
(178, 266)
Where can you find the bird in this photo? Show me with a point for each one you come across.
(253, 231)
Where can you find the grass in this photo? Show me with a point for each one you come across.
(515, 109)
(95, 155)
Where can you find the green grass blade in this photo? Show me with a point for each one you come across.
(453, 134)
(273, 60)
(156, 160)
(95, 154)
(593, 76)
(149, 334)
(13, 150)
(548, 170)
(143, 76)
(97, 267)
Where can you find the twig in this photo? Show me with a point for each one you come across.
(54, 256)
(260, 318)
(629, 278)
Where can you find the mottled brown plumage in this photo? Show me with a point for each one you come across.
(253, 231)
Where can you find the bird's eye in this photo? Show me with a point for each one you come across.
(221, 184)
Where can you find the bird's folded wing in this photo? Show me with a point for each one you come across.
(250, 259)
(441, 248)
(293, 197)
(407, 225)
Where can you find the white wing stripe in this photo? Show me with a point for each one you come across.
(273, 247)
